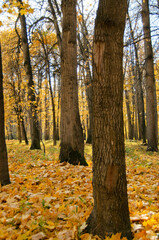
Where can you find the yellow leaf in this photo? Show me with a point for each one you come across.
(23, 11)
(10, 11)
(86, 236)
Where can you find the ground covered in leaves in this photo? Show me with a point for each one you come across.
(49, 200)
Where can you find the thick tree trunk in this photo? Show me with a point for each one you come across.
(35, 136)
(110, 213)
(72, 143)
(4, 172)
(151, 103)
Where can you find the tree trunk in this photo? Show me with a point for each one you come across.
(4, 172)
(47, 127)
(130, 125)
(35, 136)
(39, 103)
(52, 102)
(151, 103)
(89, 100)
(85, 51)
(23, 130)
(110, 213)
(19, 128)
(139, 91)
(72, 143)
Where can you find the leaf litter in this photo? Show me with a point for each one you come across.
(51, 200)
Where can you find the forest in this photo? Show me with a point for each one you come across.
(79, 110)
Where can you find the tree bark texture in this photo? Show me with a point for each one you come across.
(35, 135)
(72, 143)
(151, 103)
(110, 213)
(4, 172)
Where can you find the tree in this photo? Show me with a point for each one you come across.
(110, 213)
(86, 53)
(35, 135)
(139, 90)
(4, 172)
(72, 143)
(151, 103)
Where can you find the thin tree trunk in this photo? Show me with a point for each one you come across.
(110, 213)
(88, 81)
(89, 100)
(130, 125)
(139, 91)
(58, 110)
(151, 103)
(35, 136)
(39, 102)
(23, 130)
(47, 127)
(57, 29)
(136, 119)
(53, 104)
(4, 172)
(19, 129)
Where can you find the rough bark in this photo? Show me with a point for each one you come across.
(151, 103)
(72, 143)
(35, 135)
(4, 172)
(110, 213)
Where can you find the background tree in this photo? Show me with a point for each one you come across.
(110, 213)
(4, 172)
(35, 135)
(151, 103)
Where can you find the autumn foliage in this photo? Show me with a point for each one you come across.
(50, 200)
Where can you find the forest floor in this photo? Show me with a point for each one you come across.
(49, 200)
